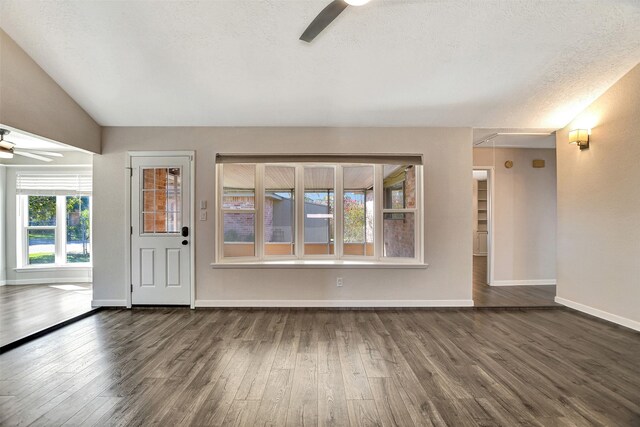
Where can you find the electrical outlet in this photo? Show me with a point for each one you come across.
(203, 215)
(339, 282)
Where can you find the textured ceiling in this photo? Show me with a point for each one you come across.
(482, 63)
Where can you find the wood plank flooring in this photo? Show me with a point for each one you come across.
(26, 309)
(508, 296)
(327, 368)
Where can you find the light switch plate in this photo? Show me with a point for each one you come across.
(203, 204)
(203, 215)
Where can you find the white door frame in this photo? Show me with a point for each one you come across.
(192, 219)
(490, 236)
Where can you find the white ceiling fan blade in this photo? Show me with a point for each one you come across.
(33, 156)
(42, 153)
(6, 144)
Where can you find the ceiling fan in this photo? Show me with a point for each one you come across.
(326, 17)
(7, 150)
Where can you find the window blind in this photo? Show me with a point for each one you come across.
(53, 184)
(387, 159)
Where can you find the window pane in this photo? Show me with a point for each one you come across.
(239, 186)
(319, 210)
(42, 210)
(161, 200)
(41, 246)
(358, 210)
(399, 236)
(78, 230)
(239, 234)
(279, 208)
(399, 187)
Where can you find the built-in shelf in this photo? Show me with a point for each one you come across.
(481, 214)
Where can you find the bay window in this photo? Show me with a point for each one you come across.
(312, 208)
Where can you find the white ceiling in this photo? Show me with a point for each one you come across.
(478, 63)
(514, 138)
(480, 175)
(23, 140)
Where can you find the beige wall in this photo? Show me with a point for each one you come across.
(599, 207)
(448, 161)
(33, 102)
(524, 210)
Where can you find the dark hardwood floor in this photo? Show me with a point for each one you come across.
(26, 309)
(321, 367)
(508, 296)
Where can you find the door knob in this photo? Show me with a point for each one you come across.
(185, 242)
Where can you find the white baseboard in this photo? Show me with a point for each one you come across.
(334, 303)
(632, 324)
(537, 282)
(47, 281)
(108, 303)
(3, 282)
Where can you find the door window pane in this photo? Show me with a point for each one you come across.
(319, 210)
(78, 244)
(279, 210)
(399, 235)
(239, 234)
(161, 200)
(358, 210)
(239, 186)
(42, 211)
(41, 246)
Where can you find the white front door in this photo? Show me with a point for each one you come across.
(161, 233)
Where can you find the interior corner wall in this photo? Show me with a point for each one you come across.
(599, 207)
(447, 206)
(524, 215)
(3, 231)
(31, 101)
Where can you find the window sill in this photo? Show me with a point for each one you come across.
(317, 264)
(34, 268)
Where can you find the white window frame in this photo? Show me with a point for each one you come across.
(296, 196)
(60, 230)
(299, 190)
(257, 209)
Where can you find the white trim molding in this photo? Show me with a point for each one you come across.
(48, 281)
(108, 303)
(128, 220)
(330, 264)
(536, 282)
(623, 321)
(334, 303)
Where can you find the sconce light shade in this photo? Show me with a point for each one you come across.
(579, 137)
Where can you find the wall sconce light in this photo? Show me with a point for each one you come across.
(579, 137)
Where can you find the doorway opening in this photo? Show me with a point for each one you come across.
(481, 226)
(514, 219)
(46, 257)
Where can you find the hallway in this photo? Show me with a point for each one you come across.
(508, 296)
